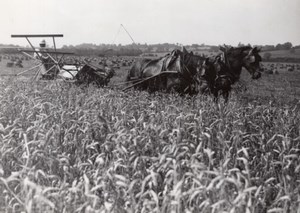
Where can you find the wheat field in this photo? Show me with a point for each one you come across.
(65, 148)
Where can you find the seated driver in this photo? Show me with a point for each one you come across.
(39, 54)
(47, 70)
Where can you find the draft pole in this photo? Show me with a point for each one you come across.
(117, 34)
(53, 39)
(128, 34)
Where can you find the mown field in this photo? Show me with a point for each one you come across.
(284, 53)
(70, 149)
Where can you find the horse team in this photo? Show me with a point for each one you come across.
(188, 73)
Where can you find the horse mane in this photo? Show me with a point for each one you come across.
(237, 50)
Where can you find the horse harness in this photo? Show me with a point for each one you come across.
(223, 72)
(183, 64)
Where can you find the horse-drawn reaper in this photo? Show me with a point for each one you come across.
(50, 64)
(179, 70)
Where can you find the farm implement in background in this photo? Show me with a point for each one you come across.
(50, 63)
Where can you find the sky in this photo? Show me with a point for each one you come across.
(214, 22)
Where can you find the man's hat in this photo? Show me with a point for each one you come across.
(43, 43)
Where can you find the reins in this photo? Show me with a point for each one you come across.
(185, 66)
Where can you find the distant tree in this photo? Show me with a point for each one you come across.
(285, 46)
(240, 44)
(297, 47)
(278, 47)
(267, 55)
(268, 47)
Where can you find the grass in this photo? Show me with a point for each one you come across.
(69, 149)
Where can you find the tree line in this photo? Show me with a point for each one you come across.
(138, 48)
(284, 46)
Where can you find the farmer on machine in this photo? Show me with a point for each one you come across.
(48, 70)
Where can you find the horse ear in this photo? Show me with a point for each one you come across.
(184, 50)
(257, 49)
(251, 51)
(223, 49)
(206, 61)
(218, 58)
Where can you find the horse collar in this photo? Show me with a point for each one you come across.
(226, 61)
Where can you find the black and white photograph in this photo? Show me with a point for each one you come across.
(150, 106)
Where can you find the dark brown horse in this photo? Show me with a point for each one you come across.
(154, 75)
(218, 75)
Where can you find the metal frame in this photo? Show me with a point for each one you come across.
(56, 60)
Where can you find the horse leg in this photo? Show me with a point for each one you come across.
(173, 84)
(225, 96)
(215, 93)
(226, 93)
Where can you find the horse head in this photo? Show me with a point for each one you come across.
(190, 64)
(238, 57)
(252, 63)
(209, 71)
